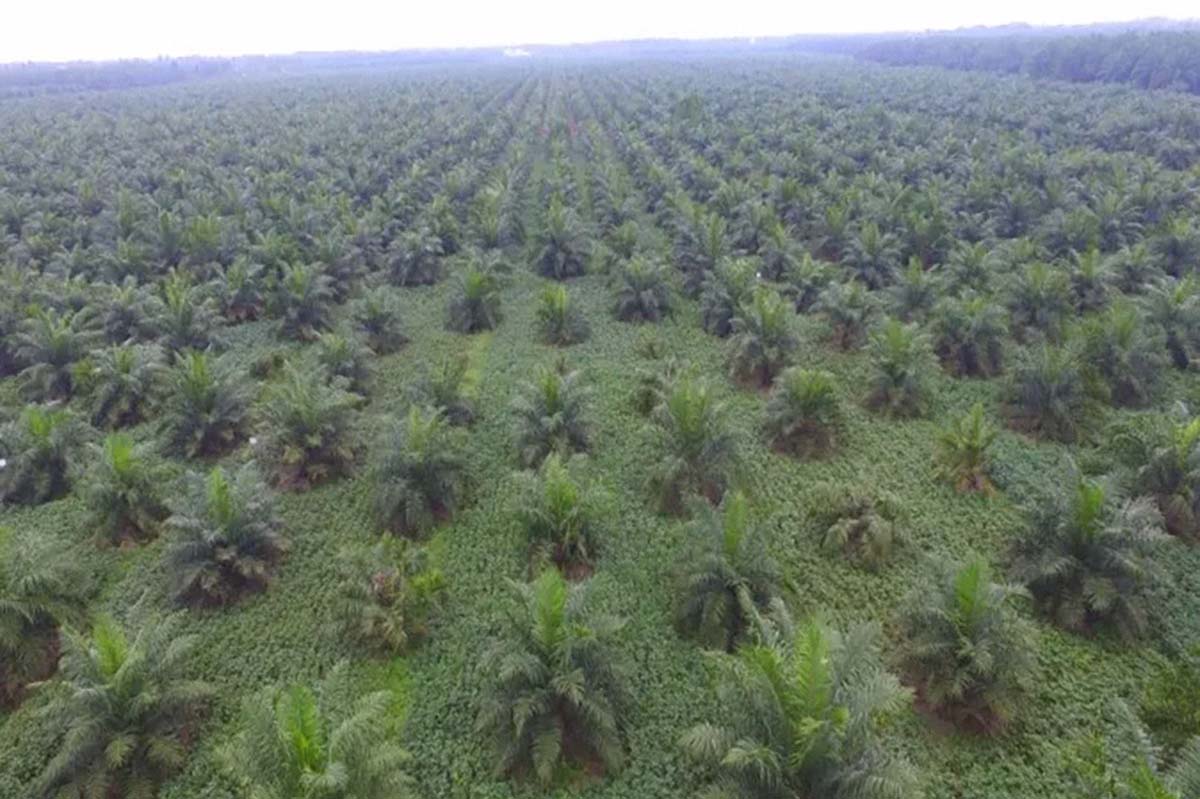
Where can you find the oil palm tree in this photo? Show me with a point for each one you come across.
(38, 448)
(698, 450)
(50, 343)
(386, 594)
(294, 743)
(1173, 306)
(804, 412)
(1126, 358)
(125, 384)
(850, 309)
(643, 293)
(558, 318)
(475, 304)
(226, 536)
(724, 291)
(417, 476)
(308, 434)
(970, 653)
(127, 709)
(42, 590)
(1168, 469)
(1086, 558)
(727, 584)
(805, 719)
(961, 452)
(864, 526)
(550, 416)
(303, 301)
(763, 338)
(557, 512)
(1049, 394)
(377, 316)
(902, 361)
(968, 335)
(554, 694)
(122, 486)
(559, 242)
(206, 406)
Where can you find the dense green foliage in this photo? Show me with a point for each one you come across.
(259, 271)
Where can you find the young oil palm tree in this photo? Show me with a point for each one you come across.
(51, 343)
(300, 744)
(1125, 764)
(1168, 469)
(1173, 306)
(968, 335)
(550, 416)
(1049, 395)
(558, 318)
(187, 317)
(450, 386)
(1086, 558)
(38, 448)
(122, 486)
(226, 536)
(873, 256)
(128, 314)
(643, 292)
(805, 719)
(554, 696)
(805, 281)
(654, 381)
(377, 316)
(41, 591)
(915, 292)
(345, 356)
(414, 258)
(559, 242)
(1125, 357)
(557, 512)
(417, 476)
(386, 594)
(724, 291)
(205, 410)
(970, 654)
(763, 338)
(303, 301)
(475, 304)
(866, 527)
(1039, 301)
(125, 384)
(698, 450)
(961, 453)
(727, 584)
(307, 429)
(902, 360)
(804, 412)
(128, 712)
(238, 290)
(850, 309)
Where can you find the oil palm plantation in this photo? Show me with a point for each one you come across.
(554, 695)
(728, 585)
(805, 717)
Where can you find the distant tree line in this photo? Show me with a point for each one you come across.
(41, 78)
(1149, 60)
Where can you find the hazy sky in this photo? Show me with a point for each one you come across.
(98, 29)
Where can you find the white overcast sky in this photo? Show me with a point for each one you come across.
(57, 30)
